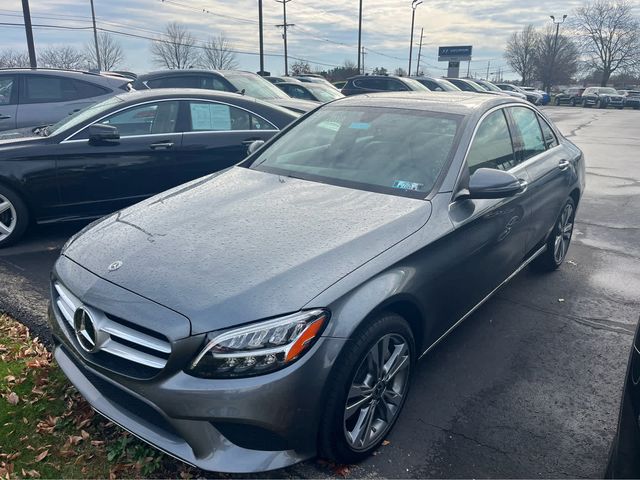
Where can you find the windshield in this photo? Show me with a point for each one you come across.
(415, 85)
(256, 86)
(490, 86)
(387, 150)
(322, 93)
(447, 86)
(83, 115)
(608, 91)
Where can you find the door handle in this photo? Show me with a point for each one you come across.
(74, 111)
(563, 165)
(4, 117)
(161, 146)
(249, 141)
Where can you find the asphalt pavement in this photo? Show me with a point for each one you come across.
(529, 386)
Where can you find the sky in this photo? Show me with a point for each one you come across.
(325, 32)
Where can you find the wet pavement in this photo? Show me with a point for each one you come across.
(529, 386)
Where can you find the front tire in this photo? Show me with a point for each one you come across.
(368, 389)
(559, 240)
(14, 217)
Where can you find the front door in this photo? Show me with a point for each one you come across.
(99, 178)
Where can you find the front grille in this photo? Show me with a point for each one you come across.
(119, 344)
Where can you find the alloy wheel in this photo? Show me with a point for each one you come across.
(8, 217)
(563, 235)
(377, 392)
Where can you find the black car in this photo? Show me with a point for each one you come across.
(315, 92)
(437, 84)
(123, 150)
(571, 96)
(602, 97)
(624, 458)
(631, 98)
(236, 81)
(381, 83)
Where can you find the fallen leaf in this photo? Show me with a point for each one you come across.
(571, 262)
(10, 378)
(13, 398)
(385, 443)
(41, 457)
(342, 470)
(561, 300)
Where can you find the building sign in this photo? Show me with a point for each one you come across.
(455, 54)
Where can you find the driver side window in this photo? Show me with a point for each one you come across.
(492, 146)
(150, 118)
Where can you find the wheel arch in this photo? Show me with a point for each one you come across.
(15, 188)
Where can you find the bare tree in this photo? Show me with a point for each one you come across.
(401, 72)
(13, 59)
(555, 64)
(62, 56)
(218, 54)
(111, 53)
(520, 52)
(300, 67)
(176, 49)
(609, 36)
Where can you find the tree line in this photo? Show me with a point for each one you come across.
(603, 40)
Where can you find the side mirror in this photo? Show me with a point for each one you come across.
(254, 146)
(493, 183)
(100, 133)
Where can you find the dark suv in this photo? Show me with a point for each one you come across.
(631, 98)
(571, 96)
(602, 97)
(381, 83)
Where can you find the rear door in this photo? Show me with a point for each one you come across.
(96, 179)
(46, 99)
(548, 167)
(8, 101)
(217, 136)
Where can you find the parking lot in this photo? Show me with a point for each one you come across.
(529, 385)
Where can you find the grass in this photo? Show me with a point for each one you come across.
(48, 431)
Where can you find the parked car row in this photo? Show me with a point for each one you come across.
(599, 97)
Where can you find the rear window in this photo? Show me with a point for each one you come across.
(47, 89)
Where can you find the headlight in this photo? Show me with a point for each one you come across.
(259, 348)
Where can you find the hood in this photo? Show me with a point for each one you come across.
(297, 105)
(244, 245)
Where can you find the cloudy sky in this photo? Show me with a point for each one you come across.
(325, 31)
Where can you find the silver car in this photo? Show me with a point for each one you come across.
(30, 98)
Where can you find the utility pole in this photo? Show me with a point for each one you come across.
(419, 52)
(261, 27)
(414, 5)
(555, 50)
(29, 31)
(360, 37)
(285, 26)
(363, 54)
(488, 66)
(468, 68)
(95, 36)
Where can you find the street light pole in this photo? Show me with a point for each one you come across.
(95, 36)
(261, 37)
(555, 49)
(414, 5)
(359, 37)
(285, 26)
(419, 52)
(29, 32)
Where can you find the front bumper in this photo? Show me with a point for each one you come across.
(225, 425)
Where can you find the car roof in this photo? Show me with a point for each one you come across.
(462, 103)
(163, 93)
(376, 76)
(193, 71)
(96, 77)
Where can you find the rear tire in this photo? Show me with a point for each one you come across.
(559, 240)
(573, 102)
(364, 401)
(14, 217)
(585, 104)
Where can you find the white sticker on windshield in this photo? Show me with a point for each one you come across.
(210, 116)
(408, 185)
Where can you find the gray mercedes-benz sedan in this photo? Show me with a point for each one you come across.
(273, 311)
